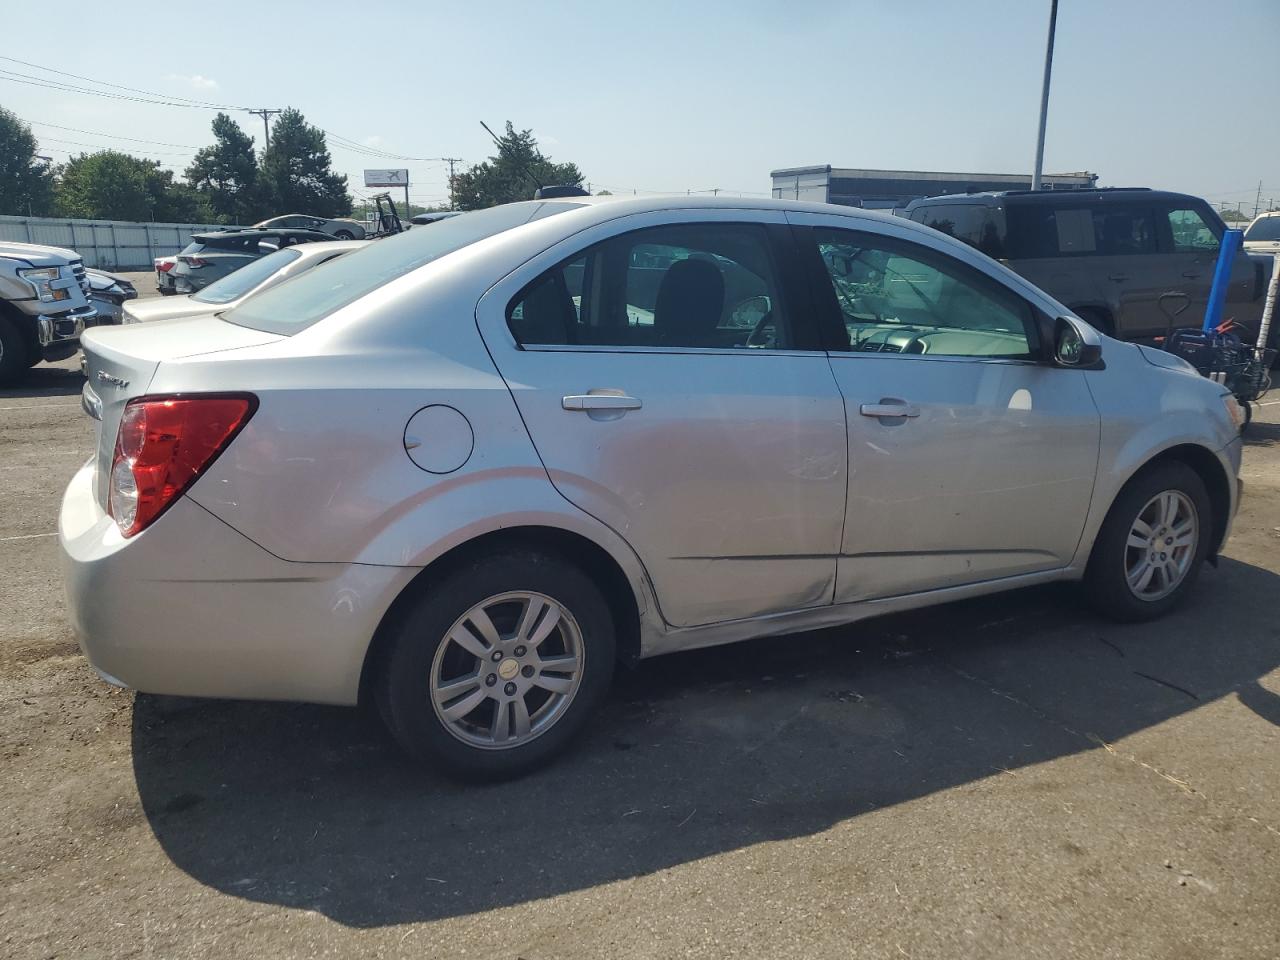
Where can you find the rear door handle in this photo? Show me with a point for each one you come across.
(889, 410)
(1119, 276)
(1191, 275)
(600, 401)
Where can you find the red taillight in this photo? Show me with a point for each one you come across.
(164, 266)
(193, 261)
(163, 444)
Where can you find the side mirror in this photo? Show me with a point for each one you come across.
(1076, 344)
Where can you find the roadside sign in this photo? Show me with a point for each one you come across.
(386, 178)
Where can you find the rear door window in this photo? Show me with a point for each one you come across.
(709, 286)
(1040, 230)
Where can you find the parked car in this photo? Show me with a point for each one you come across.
(1135, 263)
(341, 228)
(1263, 235)
(253, 278)
(108, 293)
(164, 275)
(44, 306)
(464, 471)
(211, 256)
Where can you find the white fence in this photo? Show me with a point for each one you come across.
(106, 244)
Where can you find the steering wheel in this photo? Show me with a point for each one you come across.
(764, 334)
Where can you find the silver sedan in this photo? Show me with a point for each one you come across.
(467, 470)
(259, 275)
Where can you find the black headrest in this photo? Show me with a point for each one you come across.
(690, 300)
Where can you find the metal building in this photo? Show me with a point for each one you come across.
(892, 189)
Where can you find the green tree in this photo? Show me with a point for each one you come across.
(110, 185)
(296, 173)
(225, 175)
(26, 182)
(510, 175)
(1235, 216)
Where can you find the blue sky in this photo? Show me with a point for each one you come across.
(669, 96)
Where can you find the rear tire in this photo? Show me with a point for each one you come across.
(14, 358)
(499, 665)
(1152, 545)
(344, 235)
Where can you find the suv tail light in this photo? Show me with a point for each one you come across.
(164, 266)
(163, 445)
(194, 261)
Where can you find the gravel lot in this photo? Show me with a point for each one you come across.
(1004, 778)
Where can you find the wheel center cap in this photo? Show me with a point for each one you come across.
(508, 669)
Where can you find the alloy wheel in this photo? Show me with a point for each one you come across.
(1161, 545)
(507, 670)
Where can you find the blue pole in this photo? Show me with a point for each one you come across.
(1231, 243)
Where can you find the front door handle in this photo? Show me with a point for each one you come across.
(1191, 274)
(889, 410)
(600, 401)
(1118, 277)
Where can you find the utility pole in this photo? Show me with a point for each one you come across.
(266, 129)
(1257, 202)
(451, 161)
(1044, 95)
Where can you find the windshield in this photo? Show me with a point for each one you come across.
(1266, 228)
(239, 282)
(296, 305)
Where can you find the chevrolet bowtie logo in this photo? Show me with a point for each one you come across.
(104, 377)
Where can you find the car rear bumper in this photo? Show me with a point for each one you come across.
(190, 607)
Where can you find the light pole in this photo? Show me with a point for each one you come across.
(1044, 95)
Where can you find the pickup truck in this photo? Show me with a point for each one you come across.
(44, 306)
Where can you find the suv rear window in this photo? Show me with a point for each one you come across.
(1039, 230)
(306, 299)
(1265, 228)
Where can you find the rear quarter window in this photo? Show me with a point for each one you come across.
(972, 223)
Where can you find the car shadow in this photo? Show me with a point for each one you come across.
(45, 380)
(695, 754)
(1261, 434)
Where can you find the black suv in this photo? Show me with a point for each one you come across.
(1127, 260)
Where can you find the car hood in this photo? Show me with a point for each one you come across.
(37, 255)
(1166, 360)
(101, 280)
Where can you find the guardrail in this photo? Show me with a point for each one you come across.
(106, 244)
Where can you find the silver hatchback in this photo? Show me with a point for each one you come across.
(466, 470)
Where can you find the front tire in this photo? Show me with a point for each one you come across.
(344, 235)
(495, 669)
(1152, 545)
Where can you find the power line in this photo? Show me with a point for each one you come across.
(15, 77)
(168, 100)
(107, 146)
(104, 83)
(109, 136)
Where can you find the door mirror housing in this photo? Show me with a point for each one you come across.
(1076, 345)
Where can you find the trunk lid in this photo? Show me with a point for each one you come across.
(121, 362)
